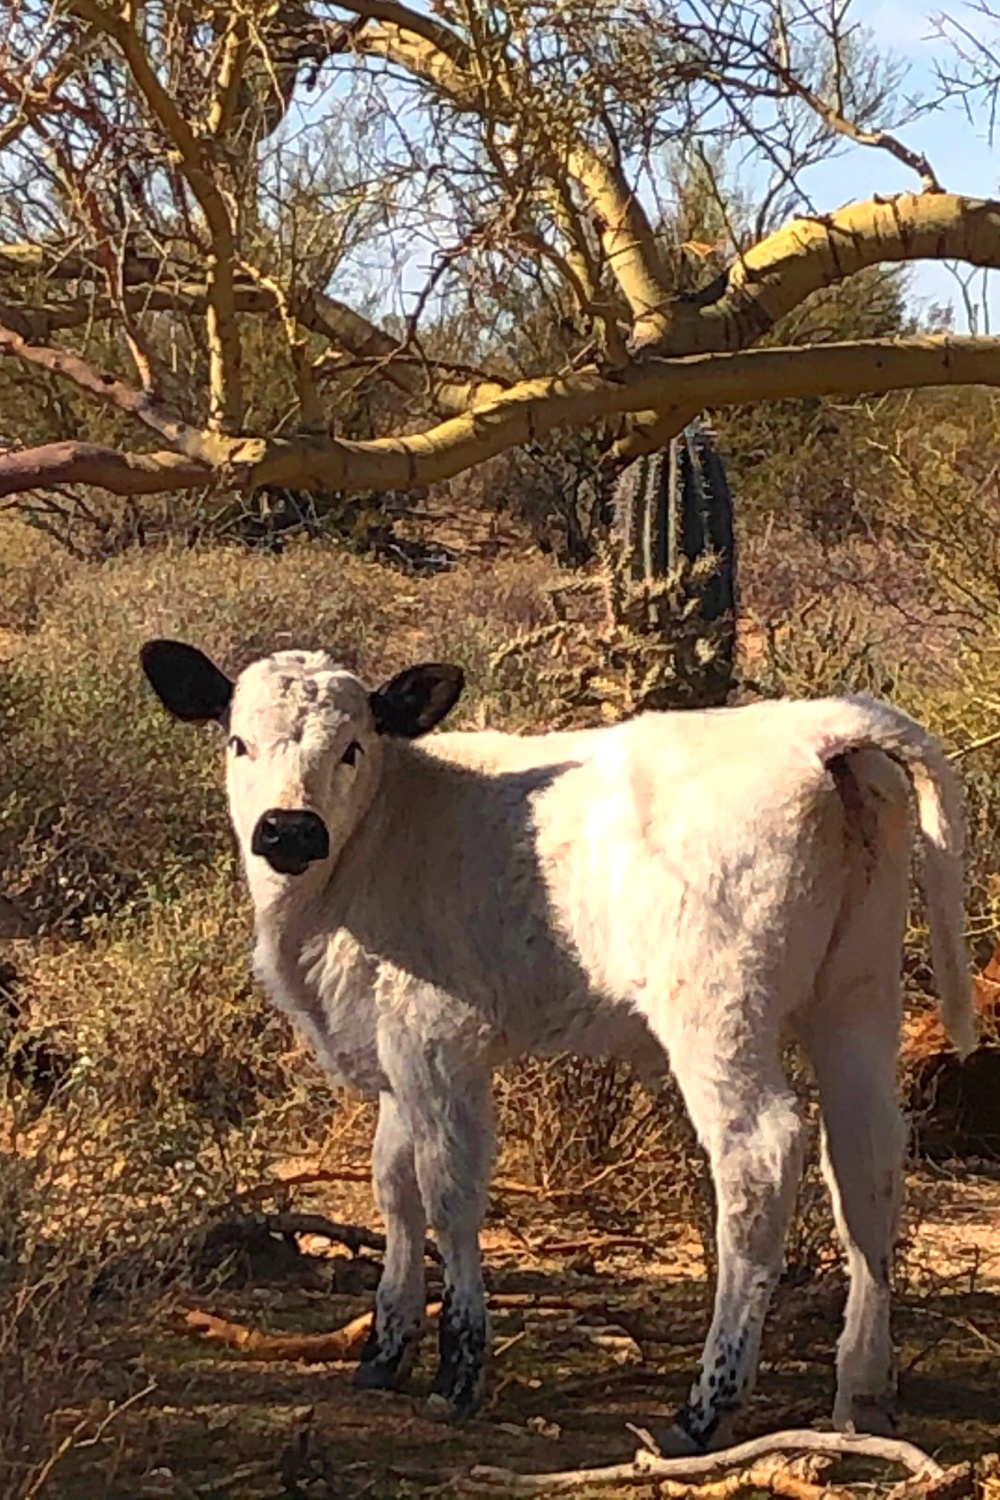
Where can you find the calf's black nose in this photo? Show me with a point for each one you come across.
(290, 840)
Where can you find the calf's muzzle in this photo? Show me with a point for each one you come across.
(290, 840)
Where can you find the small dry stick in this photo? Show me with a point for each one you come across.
(279, 1187)
(646, 1466)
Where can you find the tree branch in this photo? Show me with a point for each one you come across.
(311, 1348)
(628, 240)
(441, 38)
(235, 50)
(649, 431)
(143, 405)
(442, 58)
(776, 275)
(313, 310)
(225, 398)
(106, 468)
(349, 330)
(836, 120)
(59, 262)
(534, 408)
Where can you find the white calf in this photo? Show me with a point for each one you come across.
(691, 884)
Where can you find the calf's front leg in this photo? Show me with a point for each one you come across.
(388, 1355)
(447, 1110)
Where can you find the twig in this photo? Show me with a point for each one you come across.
(115, 1412)
(646, 1466)
(505, 1185)
(312, 1348)
(276, 1187)
(606, 1242)
(355, 1236)
(44, 1472)
(989, 739)
(508, 1343)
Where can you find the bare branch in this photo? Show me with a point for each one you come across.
(236, 46)
(776, 275)
(833, 116)
(628, 240)
(443, 59)
(311, 1348)
(88, 463)
(364, 340)
(310, 410)
(314, 311)
(648, 1467)
(649, 431)
(141, 404)
(225, 408)
(535, 408)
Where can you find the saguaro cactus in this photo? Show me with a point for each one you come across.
(674, 521)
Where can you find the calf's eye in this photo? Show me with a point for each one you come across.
(351, 754)
(237, 746)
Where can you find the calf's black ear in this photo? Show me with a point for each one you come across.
(413, 701)
(187, 684)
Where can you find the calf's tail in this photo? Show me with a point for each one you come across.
(870, 724)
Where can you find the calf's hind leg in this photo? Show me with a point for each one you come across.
(855, 1063)
(745, 1116)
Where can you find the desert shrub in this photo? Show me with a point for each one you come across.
(31, 571)
(566, 1120)
(47, 1350)
(59, 1230)
(177, 1060)
(586, 1129)
(178, 1086)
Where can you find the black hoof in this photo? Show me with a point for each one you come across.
(459, 1381)
(455, 1402)
(696, 1431)
(383, 1370)
(677, 1442)
(378, 1375)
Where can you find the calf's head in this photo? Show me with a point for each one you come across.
(305, 742)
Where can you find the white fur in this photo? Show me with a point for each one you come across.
(688, 884)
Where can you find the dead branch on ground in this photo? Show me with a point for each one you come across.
(311, 1348)
(678, 1477)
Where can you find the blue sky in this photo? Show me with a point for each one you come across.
(959, 151)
